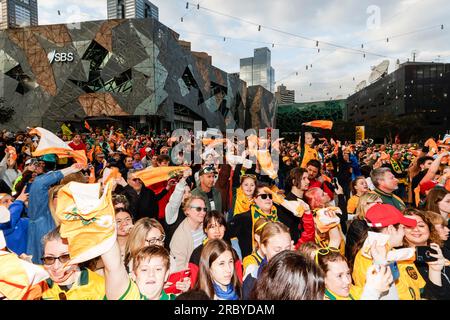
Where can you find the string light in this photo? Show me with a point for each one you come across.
(259, 28)
(181, 19)
(198, 6)
(187, 5)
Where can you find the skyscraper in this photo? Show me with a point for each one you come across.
(18, 13)
(257, 70)
(284, 96)
(130, 9)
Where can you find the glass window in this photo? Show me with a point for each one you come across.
(23, 16)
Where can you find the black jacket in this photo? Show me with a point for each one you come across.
(144, 204)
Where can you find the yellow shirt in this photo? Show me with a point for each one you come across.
(352, 203)
(251, 259)
(409, 284)
(310, 154)
(325, 242)
(89, 286)
(133, 293)
(355, 294)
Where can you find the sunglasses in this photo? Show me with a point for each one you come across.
(264, 196)
(155, 240)
(51, 260)
(198, 209)
(324, 252)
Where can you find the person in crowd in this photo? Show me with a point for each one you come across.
(301, 229)
(313, 168)
(289, 276)
(207, 190)
(357, 231)
(189, 234)
(77, 143)
(8, 173)
(124, 224)
(399, 172)
(275, 237)
(16, 229)
(441, 226)
(438, 200)
(143, 201)
(338, 279)
(358, 188)
(67, 282)
(240, 225)
(174, 211)
(385, 219)
(243, 195)
(214, 226)
(41, 221)
(150, 272)
(217, 275)
(385, 184)
(425, 234)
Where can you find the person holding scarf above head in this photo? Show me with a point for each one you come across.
(243, 195)
(241, 226)
(217, 274)
(399, 173)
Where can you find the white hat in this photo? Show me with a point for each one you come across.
(148, 149)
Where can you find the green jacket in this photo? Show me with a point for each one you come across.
(216, 197)
(392, 199)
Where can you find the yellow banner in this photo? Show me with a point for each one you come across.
(359, 131)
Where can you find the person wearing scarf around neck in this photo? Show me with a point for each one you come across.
(243, 195)
(275, 237)
(241, 226)
(217, 275)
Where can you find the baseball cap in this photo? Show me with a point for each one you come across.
(207, 169)
(382, 215)
(148, 149)
(31, 161)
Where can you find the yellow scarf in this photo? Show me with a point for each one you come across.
(242, 203)
(257, 213)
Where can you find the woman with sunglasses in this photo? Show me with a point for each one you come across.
(214, 226)
(71, 282)
(338, 278)
(241, 226)
(189, 234)
(275, 237)
(217, 274)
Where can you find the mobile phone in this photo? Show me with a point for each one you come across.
(423, 254)
(394, 270)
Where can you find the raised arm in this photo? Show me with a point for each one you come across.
(116, 277)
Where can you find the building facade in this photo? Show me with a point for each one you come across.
(130, 69)
(257, 70)
(284, 96)
(131, 9)
(415, 88)
(18, 13)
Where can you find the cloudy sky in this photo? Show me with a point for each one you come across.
(340, 26)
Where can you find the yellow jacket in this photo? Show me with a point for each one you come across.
(89, 286)
(409, 285)
(310, 154)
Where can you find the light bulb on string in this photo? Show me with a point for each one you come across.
(187, 5)
(362, 46)
(259, 28)
(442, 27)
(273, 45)
(224, 39)
(181, 19)
(198, 6)
(317, 43)
(387, 39)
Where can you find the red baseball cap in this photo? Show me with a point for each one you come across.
(382, 215)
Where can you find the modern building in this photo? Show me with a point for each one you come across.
(257, 70)
(136, 71)
(18, 13)
(284, 96)
(415, 88)
(132, 9)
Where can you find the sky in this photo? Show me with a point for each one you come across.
(387, 29)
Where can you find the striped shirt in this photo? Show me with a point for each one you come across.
(198, 236)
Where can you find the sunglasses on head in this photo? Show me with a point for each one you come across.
(198, 209)
(51, 260)
(264, 196)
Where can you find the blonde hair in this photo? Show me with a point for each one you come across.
(258, 228)
(435, 218)
(187, 202)
(52, 193)
(136, 239)
(272, 229)
(363, 203)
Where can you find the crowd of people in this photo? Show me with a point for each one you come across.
(339, 221)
